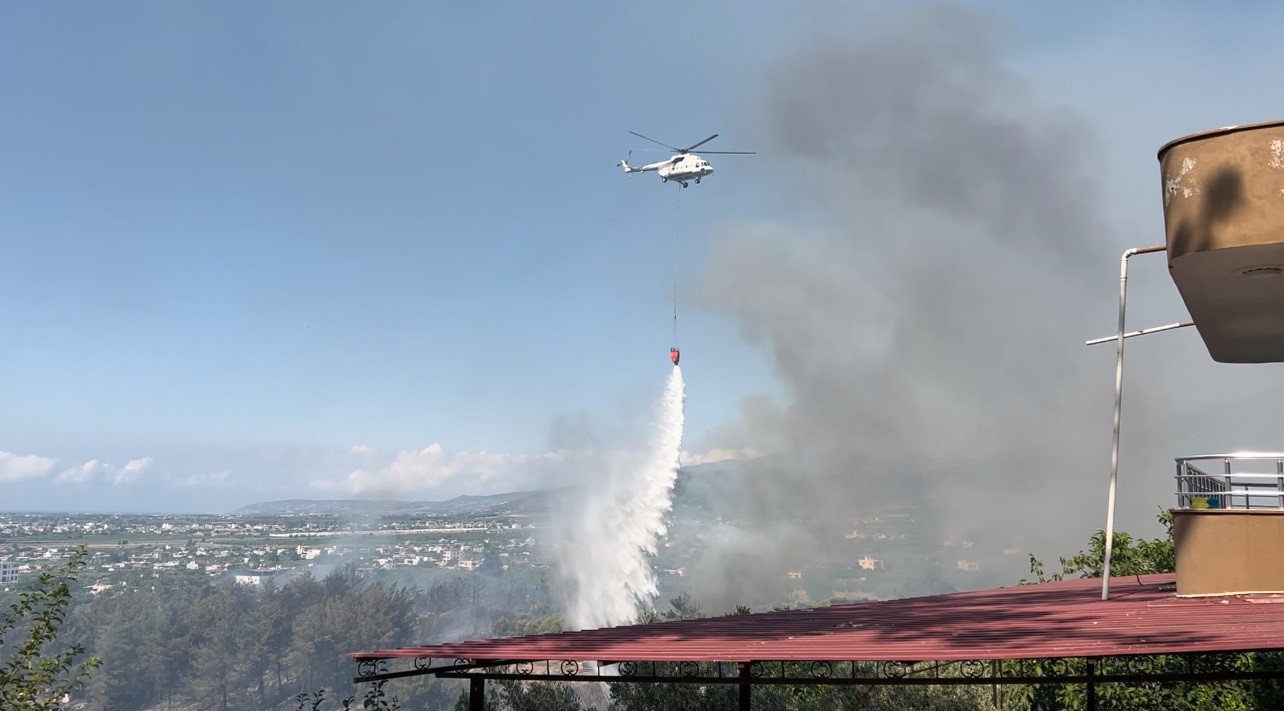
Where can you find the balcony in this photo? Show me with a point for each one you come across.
(1242, 480)
(1228, 526)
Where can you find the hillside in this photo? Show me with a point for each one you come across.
(696, 487)
(518, 502)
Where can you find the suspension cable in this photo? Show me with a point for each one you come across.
(677, 243)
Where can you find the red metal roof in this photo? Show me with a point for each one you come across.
(1058, 619)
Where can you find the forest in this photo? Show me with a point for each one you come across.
(181, 643)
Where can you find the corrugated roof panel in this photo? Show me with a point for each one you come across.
(1059, 619)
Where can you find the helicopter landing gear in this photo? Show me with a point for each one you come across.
(684, 184)
(664, 180)
(697, 181)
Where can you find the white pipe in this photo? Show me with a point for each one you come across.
(1114, 447)
(1142, 332)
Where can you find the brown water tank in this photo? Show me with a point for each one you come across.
(1224, 218)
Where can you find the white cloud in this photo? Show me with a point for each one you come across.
(132, 472)
(218, 478)
(95, 472)
(432, 469)
(16, 467)
(690, 459)
(82, 474)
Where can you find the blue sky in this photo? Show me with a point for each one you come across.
(250, 250)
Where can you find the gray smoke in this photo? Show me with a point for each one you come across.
(926, 308)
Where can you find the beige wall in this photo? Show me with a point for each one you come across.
(1222, 551)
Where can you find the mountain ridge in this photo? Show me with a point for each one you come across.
(515, 502)
(465, 504)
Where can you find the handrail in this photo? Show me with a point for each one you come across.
(1233, 487)
(1232, 455)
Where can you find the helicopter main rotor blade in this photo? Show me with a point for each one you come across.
(729, 153)
(635, 133)
(694, 146)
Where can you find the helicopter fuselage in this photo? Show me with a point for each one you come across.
(684, 168)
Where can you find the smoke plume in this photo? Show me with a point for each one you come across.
(926, 309)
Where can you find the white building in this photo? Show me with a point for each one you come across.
(8, 572)
(868, 563)
(256, 577)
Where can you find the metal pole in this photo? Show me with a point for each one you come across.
(477, 693)
(1279, 482)
(1114, 447)
(1092, 687)
(994, 674)
(746, 690)
(1226, 470)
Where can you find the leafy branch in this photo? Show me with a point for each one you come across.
(36, 676)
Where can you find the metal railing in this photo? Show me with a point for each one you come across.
(1239, 480)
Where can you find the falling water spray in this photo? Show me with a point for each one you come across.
(610, 532)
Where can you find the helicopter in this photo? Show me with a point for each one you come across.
(681, 168)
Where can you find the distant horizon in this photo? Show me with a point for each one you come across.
(257, 503)
(160, 512)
